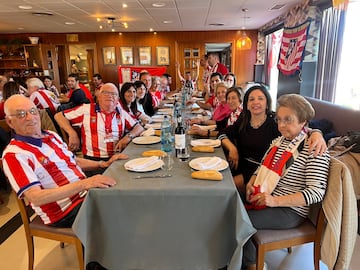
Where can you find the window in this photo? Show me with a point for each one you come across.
(348, 83)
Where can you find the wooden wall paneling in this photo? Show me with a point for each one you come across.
(242, 61)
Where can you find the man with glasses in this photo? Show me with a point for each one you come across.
(41, 168)
(102, 125)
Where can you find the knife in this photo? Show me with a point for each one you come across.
(153, 176)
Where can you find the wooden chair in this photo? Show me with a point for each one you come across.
(268, 240)
(37, 228)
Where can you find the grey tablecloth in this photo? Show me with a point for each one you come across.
(163, 223)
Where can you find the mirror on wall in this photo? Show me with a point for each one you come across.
(82, 61)
(224, 51)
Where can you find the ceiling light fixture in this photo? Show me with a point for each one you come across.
(111, 23)
(25, 7)
(158, 5)
(244, 42)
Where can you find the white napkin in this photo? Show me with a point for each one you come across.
(209, 127)
(211, 163)
(195, 106)
(153, 126)
(143, 163)
(206, 142)
(149, 132)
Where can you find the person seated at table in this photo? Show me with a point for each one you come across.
(230, 79)
(76, 95)
(234, 102)
(97, 83)
(105, 127)
(211, 101)
(247, 140)
(41, 168)
(155, 90)
(147, 101)
(128, 103)
(187, 79)
(285, 199)
(40, 96)
(219, 117)
(48, 82)
(9, 89)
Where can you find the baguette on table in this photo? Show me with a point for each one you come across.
(207, 175)
(150, 153)
(203, 148)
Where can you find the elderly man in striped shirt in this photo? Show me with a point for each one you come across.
(41, 168)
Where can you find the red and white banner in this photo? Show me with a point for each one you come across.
(292, 49)
(131, 73)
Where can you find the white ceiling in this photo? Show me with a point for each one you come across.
(140, 15)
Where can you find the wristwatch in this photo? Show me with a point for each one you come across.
(130, 136)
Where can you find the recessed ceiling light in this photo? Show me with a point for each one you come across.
(166, 22)
(40, 14)
(20, 28)
(124, 5)
(101, 27)
(113, 30)
(151, 30)
(69, 23)
(25, 7)
(216, 24)
(277, 7)
(158, 5)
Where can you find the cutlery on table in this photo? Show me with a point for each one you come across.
(153, 176)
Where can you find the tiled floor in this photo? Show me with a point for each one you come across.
(49, 255)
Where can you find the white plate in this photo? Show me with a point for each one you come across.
(197, 111)
(206, 142)
(146, 140)
(153, 125)
(154, 166)
(157, 118)
(194, 164)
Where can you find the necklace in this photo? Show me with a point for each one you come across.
(258, 124)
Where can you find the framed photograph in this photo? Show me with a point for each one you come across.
(162, 55)
(127, 57)
(109, 55)
(145, 55)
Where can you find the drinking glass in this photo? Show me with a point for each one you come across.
(168, 162)
(184, 155)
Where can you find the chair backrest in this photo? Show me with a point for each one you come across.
(25, 215)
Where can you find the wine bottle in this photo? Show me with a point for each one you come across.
(180, 139)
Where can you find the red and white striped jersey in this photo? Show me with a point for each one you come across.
(45, 99)
(47, 163)
(92, 123)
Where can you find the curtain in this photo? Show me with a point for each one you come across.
(330, 45)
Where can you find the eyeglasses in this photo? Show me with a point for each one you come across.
(21, 114)
(285, 121)
(107, 93)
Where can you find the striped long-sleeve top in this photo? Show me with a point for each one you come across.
(308, 175)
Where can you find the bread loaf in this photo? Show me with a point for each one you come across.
(203, 148)
(207, 175)
(157, 132)
(151, 153)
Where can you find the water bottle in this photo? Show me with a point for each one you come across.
(166, 137)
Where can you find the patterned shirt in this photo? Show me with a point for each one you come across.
(96, 125)
(45, 99)
(46, 163)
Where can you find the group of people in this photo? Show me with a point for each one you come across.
(279, 165)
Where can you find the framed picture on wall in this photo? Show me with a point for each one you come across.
(127, 57)
(162, 55)
(109, 55)
(145, 55)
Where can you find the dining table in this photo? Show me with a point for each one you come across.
(170, 222)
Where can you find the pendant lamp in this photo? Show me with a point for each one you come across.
(244, 42)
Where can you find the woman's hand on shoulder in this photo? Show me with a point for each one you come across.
(317, 144)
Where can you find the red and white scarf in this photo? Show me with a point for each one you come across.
(271, 171)
(234, 116)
